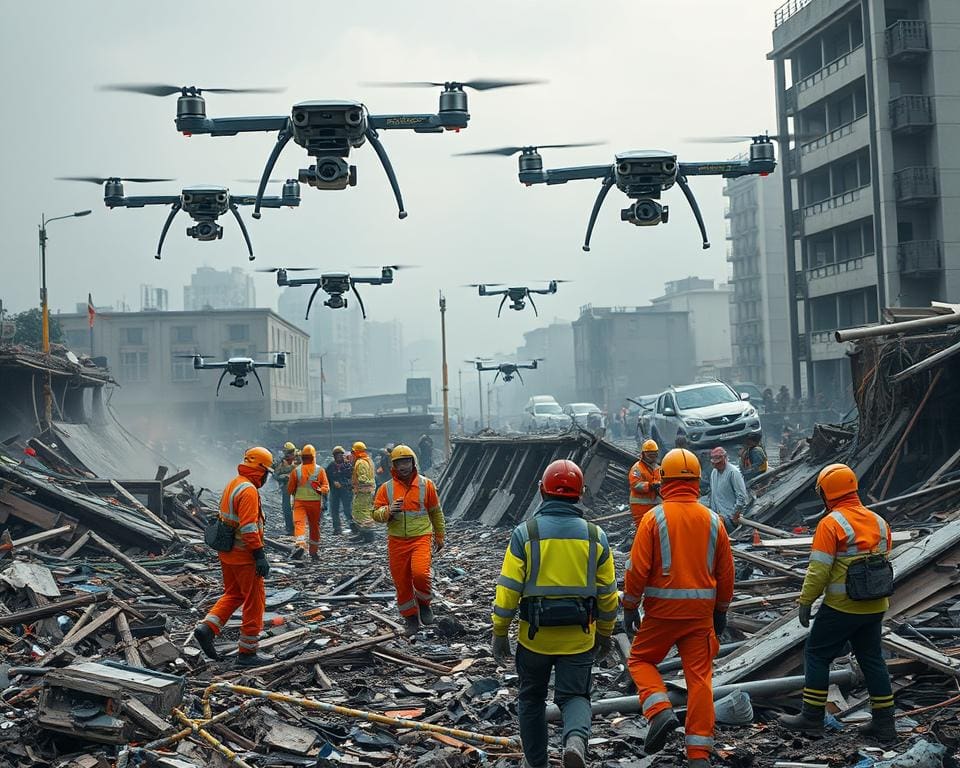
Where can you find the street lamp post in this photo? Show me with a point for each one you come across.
(322, 413)
(45, 309)
(446, 384)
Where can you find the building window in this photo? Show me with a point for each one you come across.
(183, 334)
(238, 332)
(182, 368)
(133, 367)
(133, 335)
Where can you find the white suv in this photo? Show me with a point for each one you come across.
(708, 415)
(544, 414)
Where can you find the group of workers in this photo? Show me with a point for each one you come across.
(558, 578)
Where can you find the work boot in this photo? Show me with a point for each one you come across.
(881, 726)
(698, 762)
(252, 660)
(575, 752)
(204, 636)
(411, 625)
(315, 556)
(810, 720)
(661, 726)
(298, 554)
(426, 615)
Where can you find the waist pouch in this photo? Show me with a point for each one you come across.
(557, 612)
(219, 536)
(870, 578)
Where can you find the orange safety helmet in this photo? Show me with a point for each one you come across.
(680, 464)
(562, 478)
(649, 445)
(258, 457)
(308, 451)
(836, 480)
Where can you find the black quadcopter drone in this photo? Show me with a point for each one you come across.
(334, 284)
(238, 367)
(518, 295)
(507, 370)
(327, 130)
(641, 175)
(202, 204)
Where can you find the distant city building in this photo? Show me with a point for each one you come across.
(153, 299)
(708, 312)
(214, 289)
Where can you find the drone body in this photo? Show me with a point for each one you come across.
(508, 370)
(239, 368)
(334, 284)
(518, 295)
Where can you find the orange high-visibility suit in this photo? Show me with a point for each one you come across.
(409, 535)
(643, 496)
(682, 566)
(240, 509)
(308, 485)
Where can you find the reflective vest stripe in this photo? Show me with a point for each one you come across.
(231, 515)
(667, 593)
(847, 530)
(851, 548)
(421, 510)
(821, 557)
(664, 534)
(712, 545)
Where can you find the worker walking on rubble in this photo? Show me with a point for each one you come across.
(849, 563)
(644, 481)
(308, 485)
(245, 565)
(558, 571)
(409, 505)
(340, 476)
(728, 491)
(753, 458)
(682, 566)
(363, 488)
(281, 473)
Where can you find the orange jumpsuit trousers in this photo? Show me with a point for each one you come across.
(307, 514)
(637, 511)
(697, 645)
(410, 569)
(241, 587)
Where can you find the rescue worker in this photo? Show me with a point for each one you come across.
(308, 485)
(728, 491)
(558, 570)
(281, 473)
(340, 476)
(682, 566)
(848, 533)
(244, 566)
(753, 458)
(363, 488)
(644, 481)
(409, 505)
(383, 464)
(425, 446)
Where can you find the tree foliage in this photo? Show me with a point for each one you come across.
(30, 329)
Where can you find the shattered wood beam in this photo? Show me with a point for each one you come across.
(101, 621)
(76, 546)
(168, 481)
(926, 363)
(34, 513)
(351, 581)
(947, 465)
(763, 600)
(802, 542)
(144, 511)
(52, 609)
(36, 538)
(142, 572)
(313, 657)
(391, 654)
(130, 650)
(907, 496)
(764, 528)
(766, 562)
(923, 653)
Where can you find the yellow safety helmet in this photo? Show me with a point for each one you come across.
(359, 446)
(308, 450)
(338, 449)
(680, 464)
(402, 452)
(649, 445)
(836, 480)
(258, 457)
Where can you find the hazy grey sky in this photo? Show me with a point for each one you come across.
(638, 73)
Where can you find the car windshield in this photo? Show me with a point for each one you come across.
(547, 408)
(583, 408)
(705, 396)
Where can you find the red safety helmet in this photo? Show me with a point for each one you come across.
(562, 478)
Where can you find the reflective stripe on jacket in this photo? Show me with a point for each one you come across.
(301, 485)
(421, 513)
(240, 509)
(641, 476)
(848, 533)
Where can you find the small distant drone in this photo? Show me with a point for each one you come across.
(334, 284)
(202, 204)
(641, 175)
(327, 130)
(508, 370)
(238, 367)
(518, 295)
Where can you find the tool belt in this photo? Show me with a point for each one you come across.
(557, 612)
(218, 535)
(870, 578)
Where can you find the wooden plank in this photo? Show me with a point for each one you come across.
(101, 621)
(36, 514)
(763, 600)
(144, 511)
(923, 653)
(413, 661)
(766, 562)
(899, 537)
(36, 538)
(764, 528)
(174, 478)
(142, 572)
(130, 650)
(311, 657)
(51, 609)
(76, 546)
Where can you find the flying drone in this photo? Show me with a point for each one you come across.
(202, 204)
(642, 175)
(508, 370)
(518, 295)
(334, 284)
(238, 367)
(327, 130)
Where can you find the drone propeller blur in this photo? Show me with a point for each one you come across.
(642, 175)
(335, 284)
(202, 204)
(518, 295)
(508, 370)
(328, 129)
(238, 367)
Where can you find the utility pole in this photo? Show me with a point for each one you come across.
(322, 411)
(460, 397)
(480, 395)
(446, 384)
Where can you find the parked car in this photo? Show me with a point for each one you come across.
(754, 390)
(586, 415)
(543, 413)
(707, 414)
(642, 407)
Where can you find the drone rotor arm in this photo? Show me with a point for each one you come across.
(688, 193)
(220, 380)
(282, 138)
(243, 229)
(313, 295)
(363, 309)
(381, 151)
(174, 210)
(256, 375)
(502, 302)
(597, 205)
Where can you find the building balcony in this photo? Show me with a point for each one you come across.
(912, 113)
(907, 40)
(787, 10)
(840, 142)
(834, 75)
(915, 186)
(920, 258)
(824, 346)
(841, 276)
(839, 209)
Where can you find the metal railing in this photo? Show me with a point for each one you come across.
(837, 267)
(907, 38)
(787, 10)
(911, 111)
(826, 70)
(915, 183)
(837, 201)
(831, 136)
(919, 257)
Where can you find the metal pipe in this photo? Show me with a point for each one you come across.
(757, 688)
(671, 665)
(892, 329)
(209, 738)
(927, 362)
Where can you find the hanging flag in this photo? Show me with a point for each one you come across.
(91, 312)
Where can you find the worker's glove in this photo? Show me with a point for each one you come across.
(735, 518)
(655, 487)
(261, 564)
(438, 542)
(719, 622)
(500, 648)
(631, 621)
(601, 646)
(804, 615)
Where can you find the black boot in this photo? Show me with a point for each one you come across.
(661, 726)
(298, 554)
(204, 636)
(252, 660)
(810, 720)
(315, 556)
(426, 615)
(881, 726)
(411, 625)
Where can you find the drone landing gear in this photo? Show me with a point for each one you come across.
(363, 309)
(282, 138)
(688, 193)
(174, 210)
(532, 304)
(220, 381)
(243, 229)
(257, 377)
(313, 295)
(598, 203)
(378, 147)
(502, 302)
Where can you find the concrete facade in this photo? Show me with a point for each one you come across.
(214, 289)
(708, 312)
(871, 88)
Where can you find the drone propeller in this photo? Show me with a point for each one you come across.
(257, 181)
(547, 280)
(477, 85)
(387, 266)
(104, 179)
(740, 139)
(477, 285)
(507, 151)
(288, 269)
(162, 89)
